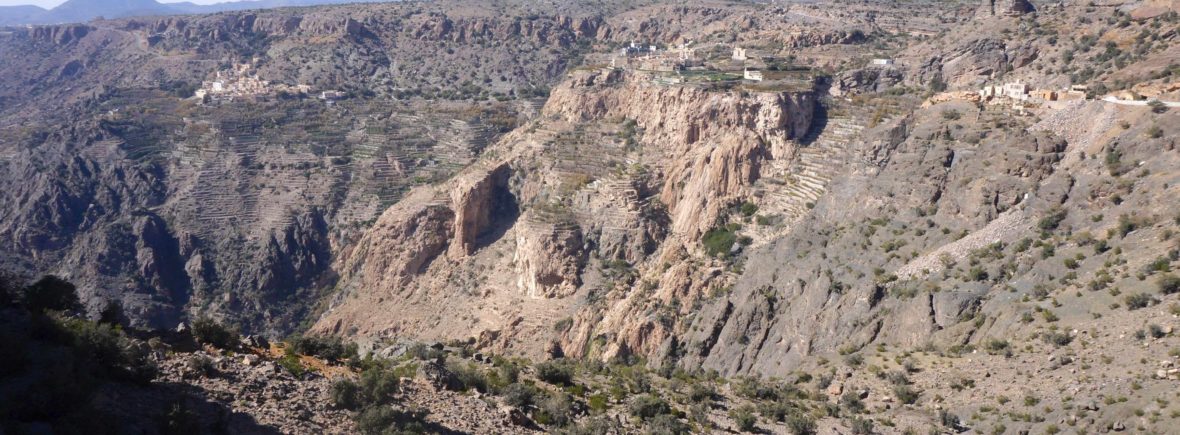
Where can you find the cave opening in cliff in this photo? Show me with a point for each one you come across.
(502, 215)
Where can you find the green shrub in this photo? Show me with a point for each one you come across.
(518, 395)
(555, 409)
(718, 242)
(997, 346)
(208, 331)
(1168, 284)
(180, 420)
(346, 394)
(1052, 220)
(1138, 300)
(292, 364)
(950, 420)
(469, 375)
(556, 372)
(748, 209)
(906, 394)
(745, 418)
(666, 425)
(1056, 338)
(976, 274)
(851, 401)
(799, 423)
(700, 392)
(329, 348)
(563, 325)
(51, 293)
(646, 406)
(861, 426)
(774, 411)
(384, 420)
(756, 389)
(423, 352)
(378, 385)
(51, 365)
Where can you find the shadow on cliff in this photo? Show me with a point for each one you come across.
(505, 210)
(819, 122)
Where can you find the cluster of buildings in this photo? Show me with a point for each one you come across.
(242, 81)
(652, 58)
(1019, 94)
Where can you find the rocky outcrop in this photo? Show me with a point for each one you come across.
(717, 139)
(620, 223)
(548, 257)
(969, 64)
(294, 256)
(60, 34)
(1010, 8)
(400, 245)
(865, 80)
(815, 38)
(481, 200)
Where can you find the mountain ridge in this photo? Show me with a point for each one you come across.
(79, 11)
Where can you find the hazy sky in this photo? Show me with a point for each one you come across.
(51, 3)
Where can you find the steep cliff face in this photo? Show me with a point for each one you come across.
(481, 202)
(616, 181)
(400, 245)
(549, 258)
(716, 141)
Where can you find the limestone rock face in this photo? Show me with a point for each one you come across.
(970, 64)
(620, 224)
(865, 80)
(1006, 7)
(717, 140)
(477, 199)
(811, 39)
(61, 34)
(549, 259)
(404, 240)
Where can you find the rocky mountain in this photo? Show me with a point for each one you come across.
(957, 220)
(80, 11)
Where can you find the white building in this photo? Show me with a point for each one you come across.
(752, 75)
(739, 53)
(1017, 90)
(882, 62)
(1014, 90)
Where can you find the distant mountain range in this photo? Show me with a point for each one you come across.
(74, 11)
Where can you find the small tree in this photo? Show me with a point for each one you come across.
(208, 331)
(557, 372)
(346, 394)
(112, 313)
(378, 385)
(51, 293)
